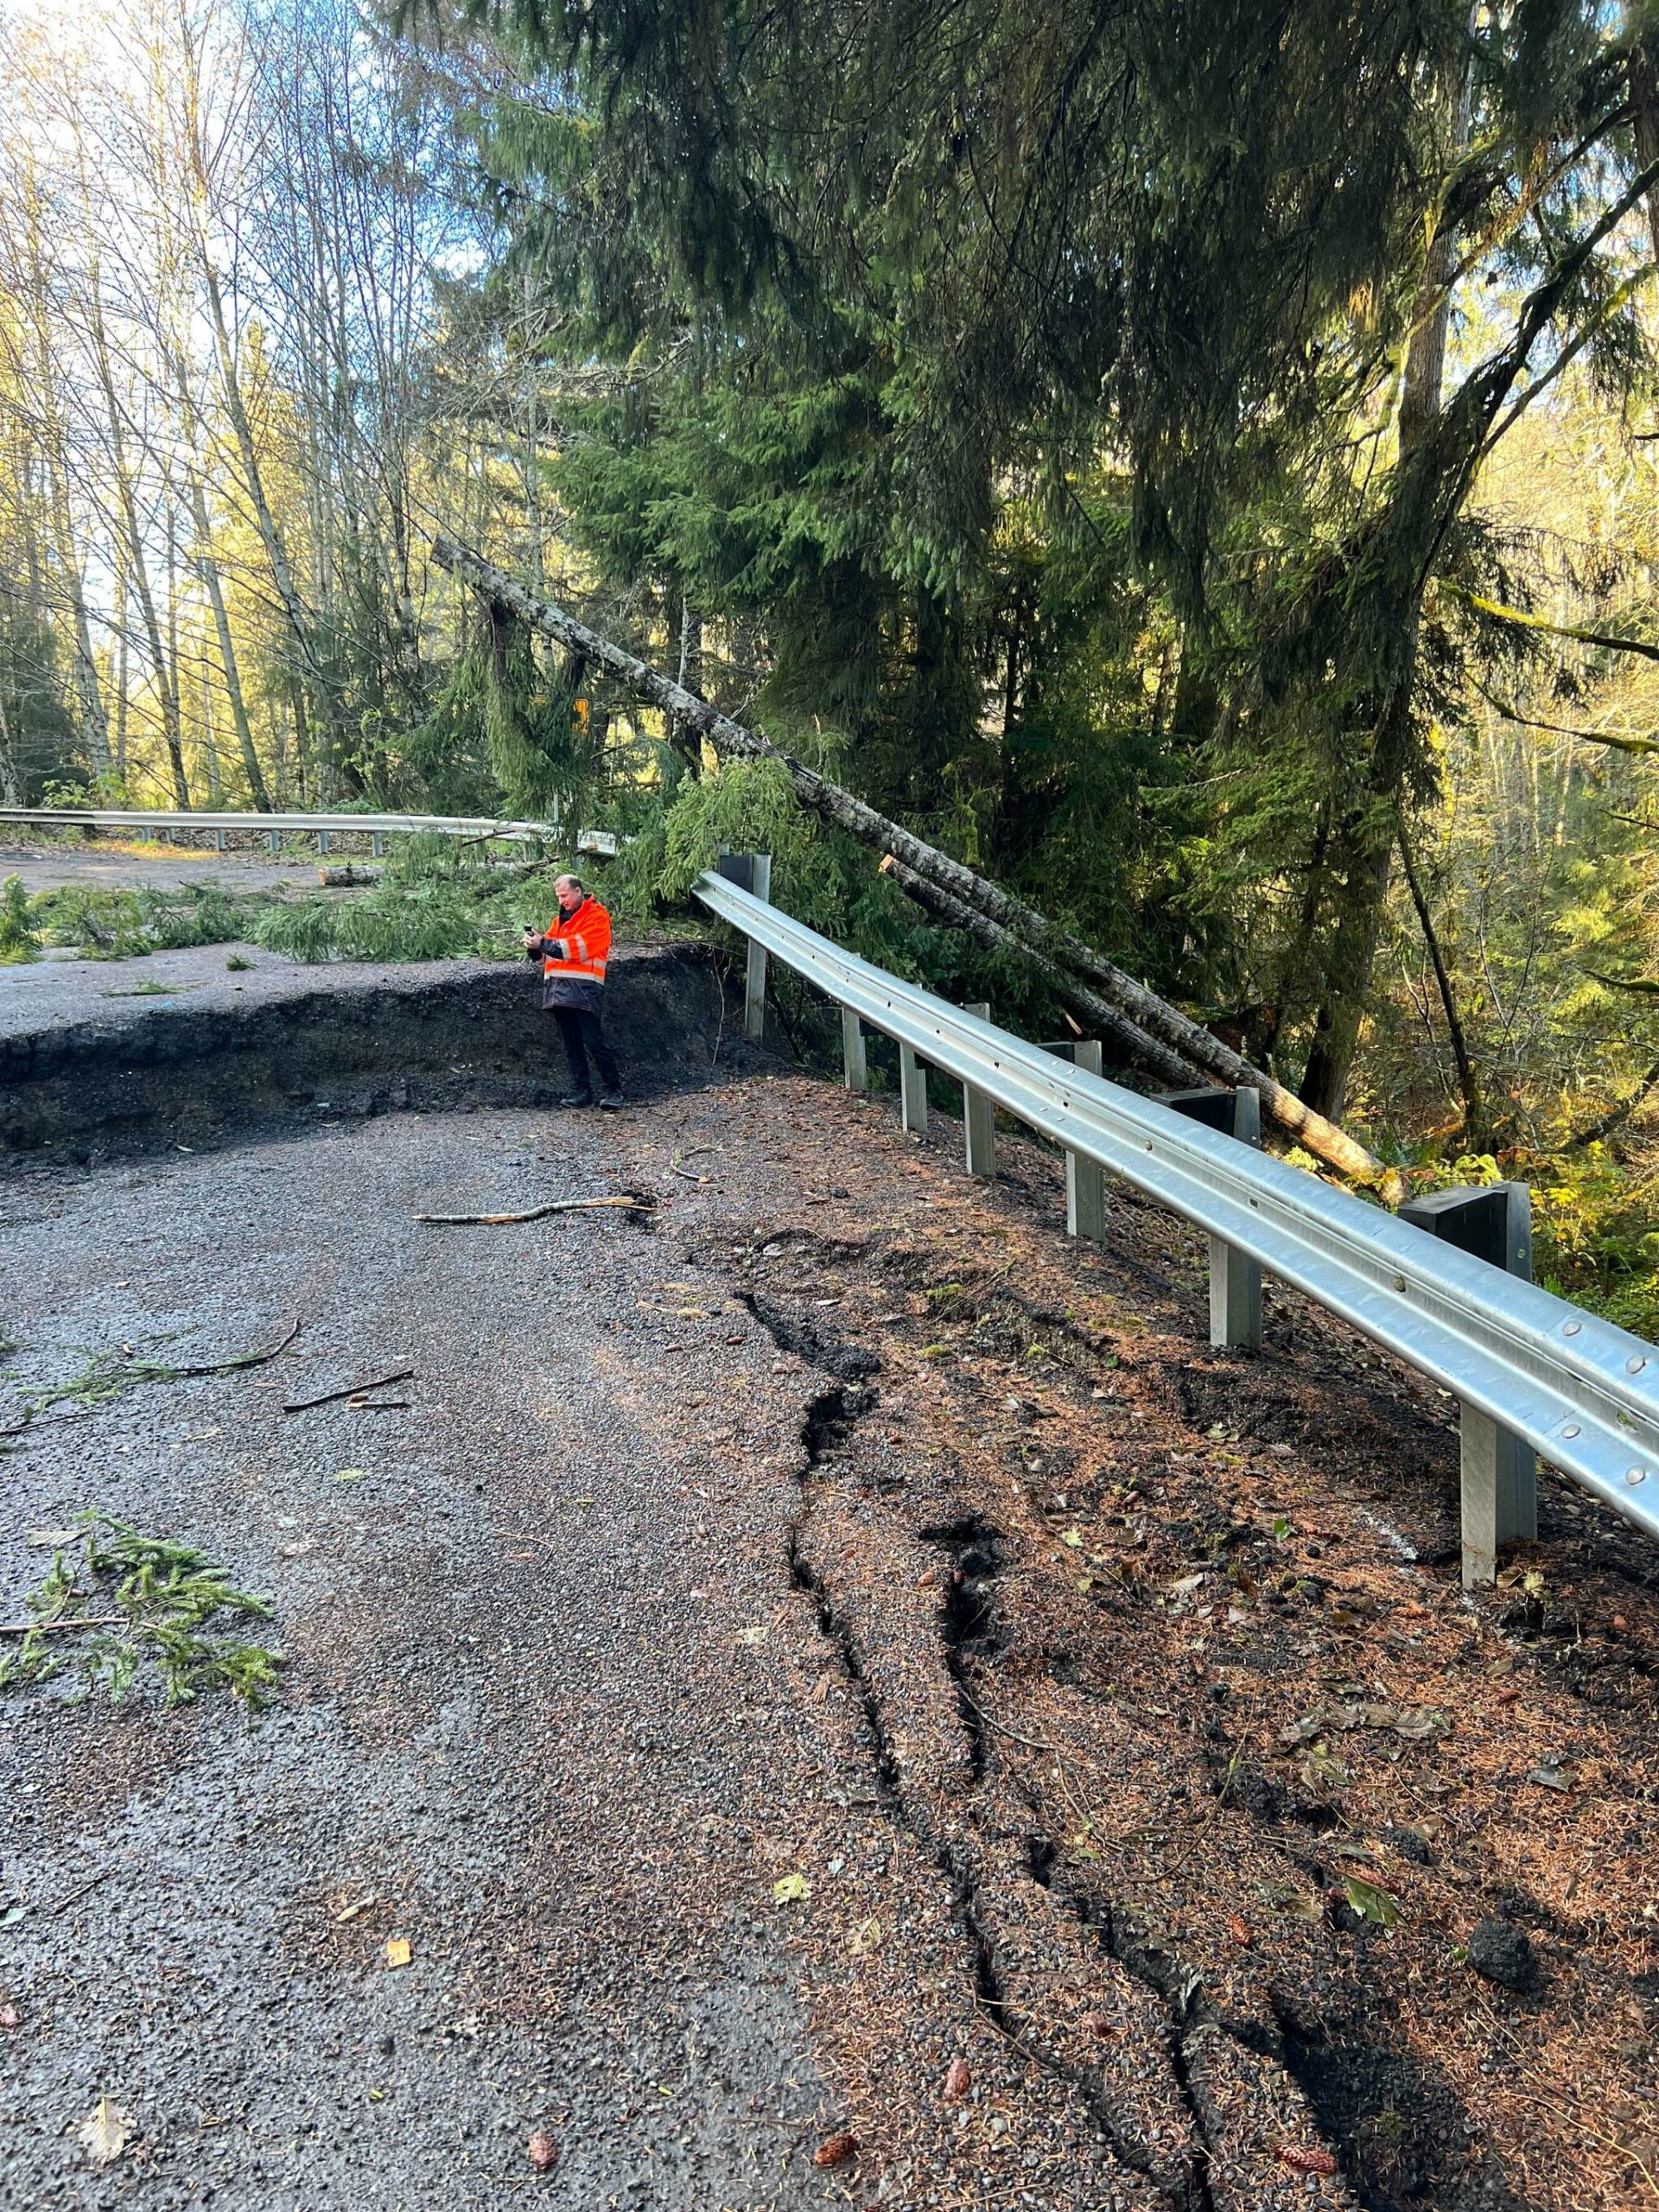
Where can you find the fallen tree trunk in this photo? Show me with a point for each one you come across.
(1140, 1050)
(1150, 1014)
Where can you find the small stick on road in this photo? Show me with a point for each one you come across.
(230, 1366)
(630, 1201)
(347, 1390)
(50, 1627)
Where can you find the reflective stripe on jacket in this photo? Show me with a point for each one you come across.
(583, 940)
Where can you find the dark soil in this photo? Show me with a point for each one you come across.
(87, 1074)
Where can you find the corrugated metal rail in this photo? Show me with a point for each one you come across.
(1581, 1392)
(147, 823)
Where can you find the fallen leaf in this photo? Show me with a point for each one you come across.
(350, 1912)
(1239, 1931)
(1306, 2161)
(105, 2133)
(756, 1634)
(1371, 1903)
(1300, 1904)
(957, 2080)
(352, 1475)
(836, 2150)
(1321, 1770)
(53, 1540)
(790, 1890)
(1422, 1725)
(399, 1950)
(1550, 1775)
(543, 2152)
(10, 2017)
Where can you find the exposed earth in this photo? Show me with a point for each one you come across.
(824, 1669)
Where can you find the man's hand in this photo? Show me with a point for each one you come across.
(532, 943)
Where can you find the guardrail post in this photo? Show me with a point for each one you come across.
(275, 836)
(1085, 1183)
(854, 1064)
(1086, 1186)
(219, 840)
(979, 1116)
(322, 845)
(1235, 1278)
(377, 843)
(913, 1091)
(1499, 1472)
(752, 872)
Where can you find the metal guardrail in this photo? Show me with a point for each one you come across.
(1581, 1392)
(376, 827)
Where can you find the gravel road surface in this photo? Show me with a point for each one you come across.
(99, 868)
(829, 1668)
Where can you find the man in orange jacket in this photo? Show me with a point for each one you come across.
(573, 950)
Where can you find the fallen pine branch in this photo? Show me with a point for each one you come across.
(348, 1390)
(1143, 1007)
(631, 1201)
(110, 1379)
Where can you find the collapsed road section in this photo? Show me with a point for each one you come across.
(100, 1058)
(814, 1689)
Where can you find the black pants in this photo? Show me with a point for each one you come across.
(584, 1039)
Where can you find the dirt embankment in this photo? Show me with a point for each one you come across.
(112, 1057)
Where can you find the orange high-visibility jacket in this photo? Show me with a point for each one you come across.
(583, 940)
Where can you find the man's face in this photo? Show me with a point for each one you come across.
(569, 897)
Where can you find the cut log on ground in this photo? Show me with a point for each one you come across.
(1153, 1015)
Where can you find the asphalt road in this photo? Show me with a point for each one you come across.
(519, 1716)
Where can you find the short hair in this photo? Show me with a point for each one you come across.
(575, 880)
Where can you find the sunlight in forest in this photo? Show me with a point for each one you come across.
(1266, 588)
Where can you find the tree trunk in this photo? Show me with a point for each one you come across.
(1474, 1116)
(122, 703)
(1137, 1048)
(1150, 1013)
(137, 568)
(1362, 850)
(11, 783)
(208, 567)
(271, 537)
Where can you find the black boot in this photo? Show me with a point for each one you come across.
(613, 1102)
(578, 1098)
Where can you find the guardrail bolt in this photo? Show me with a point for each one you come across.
(1499, 1471)
(1235, 1278)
